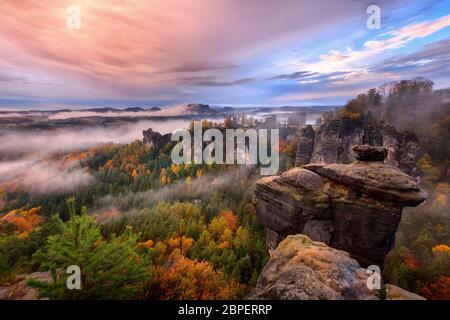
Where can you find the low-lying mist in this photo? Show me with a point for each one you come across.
(43, 176)
(25, 161)
(198, 189)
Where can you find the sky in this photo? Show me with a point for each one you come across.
(219, 52)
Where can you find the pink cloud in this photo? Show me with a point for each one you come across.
(140, 48)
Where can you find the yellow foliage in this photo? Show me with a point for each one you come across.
(165, 180)
(352, 115)
(227, 236)
(24, 235)
(175, 169)
(441, 200)
(199, 173)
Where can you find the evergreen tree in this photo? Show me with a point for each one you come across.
(110, 269)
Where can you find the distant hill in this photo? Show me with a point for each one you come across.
(200, 108)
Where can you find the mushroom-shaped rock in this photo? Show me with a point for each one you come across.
(353, 207)
(378, 180)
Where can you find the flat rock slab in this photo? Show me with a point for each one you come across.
(378, 180)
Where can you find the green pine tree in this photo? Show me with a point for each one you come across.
(110, 269)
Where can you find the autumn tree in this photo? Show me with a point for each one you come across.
(191, 280)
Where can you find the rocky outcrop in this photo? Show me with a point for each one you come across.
(155, 139)
(333, 140)
(199, 108)
(396, 293)
(352, 207)
(19, 289)
(302, 269)
(369, 153)
(305, 147)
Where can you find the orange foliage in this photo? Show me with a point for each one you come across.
(443, 187)
(410, 261)
(77, 156)
(186, 244)
(188, 279)
(165, 180)
(283, 146)
(147, 244)
(23, 221)
(224, 245)
(230, 218)
(199, 173)
(108, 165)
(441, 249)
(183, 243)
(175, 169)
(442, 200)
(439, 290)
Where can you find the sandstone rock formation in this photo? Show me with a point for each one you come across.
(19, 289)
(332, 142)
(396, 293)
(352, 207)
(306, 146)
(155, 139)
(301, 269)
(369, 153)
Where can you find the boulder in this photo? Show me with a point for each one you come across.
(18, 289)
(302, 269)
(397, 293)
